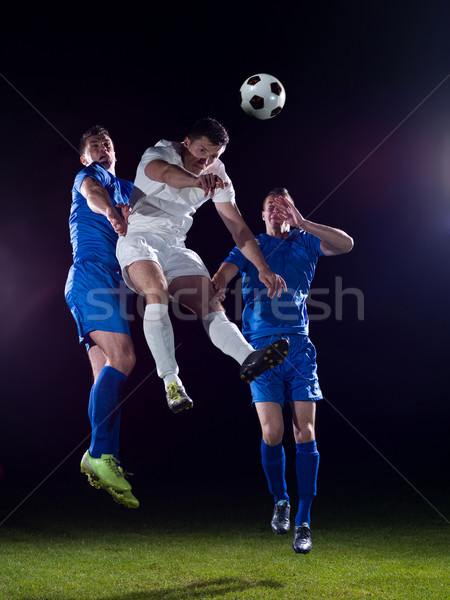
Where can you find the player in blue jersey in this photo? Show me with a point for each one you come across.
(291, 247)
(97, 298)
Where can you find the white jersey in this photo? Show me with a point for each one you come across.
(170, 210)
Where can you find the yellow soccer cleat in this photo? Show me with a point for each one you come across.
(104, 473)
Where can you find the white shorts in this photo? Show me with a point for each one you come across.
(171, 255)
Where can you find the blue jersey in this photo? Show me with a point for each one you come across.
(92, 235)
(294, 259)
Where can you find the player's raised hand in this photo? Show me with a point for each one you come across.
(210, 182)
(273, 282)
(287, 211)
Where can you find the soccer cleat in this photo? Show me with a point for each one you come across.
(259, 361)
(177, 399)
(104, 472)
(280, 519)
(302, 539)
(125, 498)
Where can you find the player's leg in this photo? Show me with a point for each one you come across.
(268, 398)
(100, 463)
(197, 294)
(107, 391)
(97, 359)
(273, 460)
(270, 415)
(116, 353)
(148, 279)
(111, 358)
(307, 466)
(304, 421)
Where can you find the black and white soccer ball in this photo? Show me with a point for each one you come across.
(262, 96)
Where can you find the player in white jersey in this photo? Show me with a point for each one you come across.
(175, 180)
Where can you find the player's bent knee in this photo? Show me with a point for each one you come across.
(304, 435)
(130, 362)
(273, 436)
(127, 356)
(123, 363)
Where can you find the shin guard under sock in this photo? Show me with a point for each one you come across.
(104, 412)
(306, 466)
(226, 336)
(158, 333)
(274, 463)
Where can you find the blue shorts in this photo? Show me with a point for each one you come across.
(98, 300)
(295, 379)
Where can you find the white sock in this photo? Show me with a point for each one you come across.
(226, 336)
(159, 335)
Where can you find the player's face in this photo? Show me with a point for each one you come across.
(200, 154)
(99, 148)
(269, 213)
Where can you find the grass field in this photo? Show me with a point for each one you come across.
(71, 542)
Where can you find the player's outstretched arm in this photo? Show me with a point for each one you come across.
(245, 241)
(222, 277)
(332, 241)
(178, 177)
(99, 202)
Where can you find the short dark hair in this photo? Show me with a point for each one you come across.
(280, 191)
(210, 128)
(94, 130)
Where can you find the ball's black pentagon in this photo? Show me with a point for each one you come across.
(275, 87)
(257, 102)
(253, 80)
(275, 111)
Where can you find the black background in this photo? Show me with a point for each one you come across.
(363, 143)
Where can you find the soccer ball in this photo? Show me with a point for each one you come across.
(262, 96)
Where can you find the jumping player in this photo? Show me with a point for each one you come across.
(94, 280)
(293, 254)
(175, 180)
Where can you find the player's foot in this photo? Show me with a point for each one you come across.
(280, 519)
(177, 399)
(259, 361)
(302, 539)
(125, 498)
(104, 472)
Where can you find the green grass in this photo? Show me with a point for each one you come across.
(52, 548)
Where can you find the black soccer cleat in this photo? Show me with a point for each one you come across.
(281, 517)
(302, 539)
(177, 399)
(259, 361)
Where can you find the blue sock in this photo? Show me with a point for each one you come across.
(306, 466)
(104, 412)
(91, 403)
(116, 433)
(274, 464)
